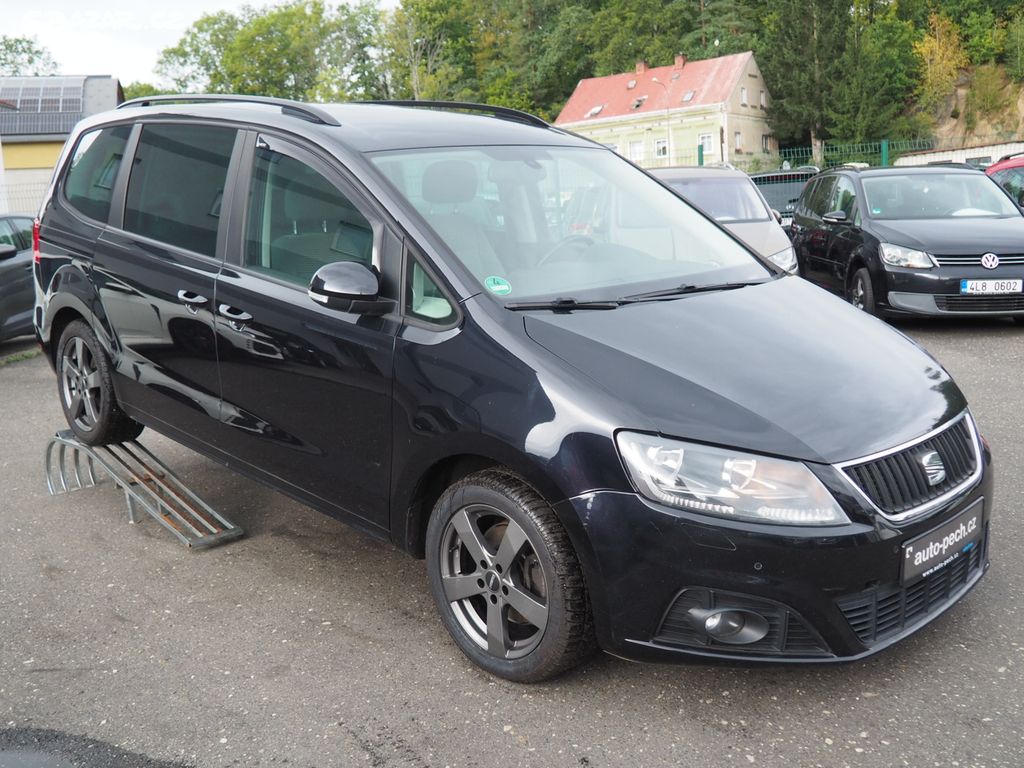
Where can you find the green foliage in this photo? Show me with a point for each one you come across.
(1014, 49)
(624, 32)
(195, 63)
(137, 90)
(23, 56)
(942, 57)
(984, 36)
(988, 97)
(801, 66)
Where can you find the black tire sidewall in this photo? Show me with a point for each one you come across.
(864, 276)
(544, 660)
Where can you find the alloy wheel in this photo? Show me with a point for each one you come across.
(493, 581)
(857, 293)
(81, 384)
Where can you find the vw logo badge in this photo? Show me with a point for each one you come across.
(933, 467)
(990, 261)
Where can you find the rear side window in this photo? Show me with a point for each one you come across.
(821, 195)
(89, 184)
(177, 183)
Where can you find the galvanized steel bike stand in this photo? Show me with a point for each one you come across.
(147, 483)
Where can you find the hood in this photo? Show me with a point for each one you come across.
(781, 368)
(954, 237)
(764, 237)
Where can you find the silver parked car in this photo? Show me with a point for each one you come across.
(734, 201)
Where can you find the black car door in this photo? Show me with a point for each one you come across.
(155, 271)
(844, 237)
(16, 291)
(306, 389)
(814, 232)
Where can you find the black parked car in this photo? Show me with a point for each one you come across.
(16, 294)
(930, 241)
(597, 415)
(782, 189)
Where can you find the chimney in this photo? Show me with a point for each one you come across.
(641, 67)
(680, 60)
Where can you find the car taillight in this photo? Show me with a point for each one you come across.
(35, 242)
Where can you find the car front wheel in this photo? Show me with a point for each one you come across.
(862, 295)
(506, 580)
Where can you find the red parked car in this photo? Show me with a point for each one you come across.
(1009, 173)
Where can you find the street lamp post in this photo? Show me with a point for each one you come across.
(668, 127)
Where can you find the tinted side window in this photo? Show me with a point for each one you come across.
(298, 220)
(89, 183)
(23, 230)
(423, 299)
(7, 236)
(1012, 180)
(177, 183)
(844, 197)
(819, 199)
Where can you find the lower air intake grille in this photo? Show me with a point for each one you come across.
(788, 635)
(880, 613)
(954, 303)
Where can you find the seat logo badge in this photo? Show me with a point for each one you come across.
(933, 467)
(990, 261)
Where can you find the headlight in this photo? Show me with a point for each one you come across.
(786, 259)
(727, 483)
(898, 256)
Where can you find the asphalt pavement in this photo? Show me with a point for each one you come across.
(306, 643)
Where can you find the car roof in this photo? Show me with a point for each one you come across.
(904, 170)
(366, 127)
(697, 172)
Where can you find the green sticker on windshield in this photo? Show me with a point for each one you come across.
(498, 286)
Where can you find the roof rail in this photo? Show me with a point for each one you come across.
(1012, 154)
(505, 113)
(295, 108)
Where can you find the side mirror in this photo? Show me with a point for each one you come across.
(7, 251)
(349, 287)
(777, 215)
(834, 217)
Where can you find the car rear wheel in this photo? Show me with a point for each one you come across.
(861, 294)
(506, 580)
(86, 391)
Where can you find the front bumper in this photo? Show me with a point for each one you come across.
(833, 594)
(936, 292)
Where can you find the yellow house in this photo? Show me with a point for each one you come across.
(38, 116)
(714, 110)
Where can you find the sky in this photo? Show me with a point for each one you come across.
(122, 38)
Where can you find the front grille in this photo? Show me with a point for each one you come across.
(953, 303)
(974, 260)
(898, 483)
(788, 635)
(879, 613)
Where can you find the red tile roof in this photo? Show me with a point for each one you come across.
(711, 80)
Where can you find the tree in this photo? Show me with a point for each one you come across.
(196, 62)
(137, 90)
(1015, 47)
(722, 27)
(800, 60)
(942, 57)
(984, 36)
(880, 72)
(23, 56)
(626, 31)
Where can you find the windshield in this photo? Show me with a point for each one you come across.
(935, 196)
(532, 222)
(725, 200)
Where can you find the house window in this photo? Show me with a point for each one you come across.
(688, 96)
(636, 151)
(743, 96)
(704, 140)
(766, 142)
(764, 101)
(661, 148)
(737, 141)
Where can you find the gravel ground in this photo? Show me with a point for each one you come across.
(307, 644)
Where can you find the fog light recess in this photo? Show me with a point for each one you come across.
(730, 625)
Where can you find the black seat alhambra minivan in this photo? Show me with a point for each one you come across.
(600, 418)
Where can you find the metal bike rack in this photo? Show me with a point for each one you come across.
(147, 482)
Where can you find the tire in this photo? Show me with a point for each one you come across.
(1018, 319)
(861, 294)
(86, 390)
(524, 617)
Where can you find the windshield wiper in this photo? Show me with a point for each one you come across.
(685, 288)
(567, 304)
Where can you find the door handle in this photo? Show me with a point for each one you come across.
(192, 301)
(236, 318)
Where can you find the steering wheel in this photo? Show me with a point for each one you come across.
(580, 241)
